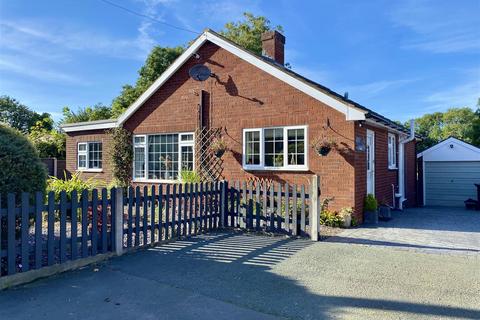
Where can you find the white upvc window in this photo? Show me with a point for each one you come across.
(162, 157)
(89, 156)
(276, 148)
(392, 151)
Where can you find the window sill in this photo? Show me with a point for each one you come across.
(90, 170)
(142, 180)
(392, 168)
(284, 169)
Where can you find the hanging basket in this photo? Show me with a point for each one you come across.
(324, 150)
(219, 153)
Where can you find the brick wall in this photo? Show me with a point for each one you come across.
(384, 177)
(73, 138)
(411, 174)
(244, 97)
(241, 96)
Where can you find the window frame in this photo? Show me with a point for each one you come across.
(392, 154)
(86, 153)
(145, 150)
(286, 166)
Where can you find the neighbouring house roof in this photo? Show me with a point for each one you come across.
(351, 109)
(90, 125)
(451, 149)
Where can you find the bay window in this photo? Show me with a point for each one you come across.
(162, 156)
(89, 156)
(392, 151)
(279, 148)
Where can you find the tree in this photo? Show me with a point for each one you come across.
(457, 122)
(476, 126)
(21, 170)
(48, 143)
(159, 59)
(248, 33)
(19, 116)
(97, 112)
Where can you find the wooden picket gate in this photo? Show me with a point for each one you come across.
(172, 211)
(272, 208)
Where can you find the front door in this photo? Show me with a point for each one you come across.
(370, 162)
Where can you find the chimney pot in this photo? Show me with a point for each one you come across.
(273, 46)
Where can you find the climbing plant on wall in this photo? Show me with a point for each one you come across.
(121, 156)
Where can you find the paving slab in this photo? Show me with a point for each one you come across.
(437, 230)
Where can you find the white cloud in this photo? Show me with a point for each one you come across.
(446, 28)
(39, 37)
(374, 88)
(463, 95)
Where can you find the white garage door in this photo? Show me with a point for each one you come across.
(450, 183)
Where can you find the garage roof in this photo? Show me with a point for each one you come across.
(451, 149)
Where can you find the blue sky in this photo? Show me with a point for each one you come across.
(401, 58)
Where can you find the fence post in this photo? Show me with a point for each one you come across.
(119, 221)
(223, 201)
(315, 208)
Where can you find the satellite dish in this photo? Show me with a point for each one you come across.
(199, 72)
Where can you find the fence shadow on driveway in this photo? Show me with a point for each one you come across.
(204, 274)
(426, 248)
(239, 268)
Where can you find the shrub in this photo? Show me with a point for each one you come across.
(371, 203)
(68, 185)
(190, 177)
(21, 170)
(330, 218)
(121, 156)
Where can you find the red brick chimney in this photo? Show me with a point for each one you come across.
(273, 46)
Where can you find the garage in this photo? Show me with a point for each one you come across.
(449, 170)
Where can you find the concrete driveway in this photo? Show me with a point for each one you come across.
(240, 276)
(430, 230)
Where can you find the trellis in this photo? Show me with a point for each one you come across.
(207, 165)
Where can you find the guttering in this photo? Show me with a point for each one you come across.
(401, 164)
(379, 124)
(90, 125)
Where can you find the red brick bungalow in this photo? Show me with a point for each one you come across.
(270, 118)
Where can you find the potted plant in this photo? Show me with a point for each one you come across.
(346, 215)
(218, 146)
(370, 209)
(323, 146)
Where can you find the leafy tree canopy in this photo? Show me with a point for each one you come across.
(97, 112)
(19, 116)
(248, 32)
(50, 143)
(461, 123)
(159, 59)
